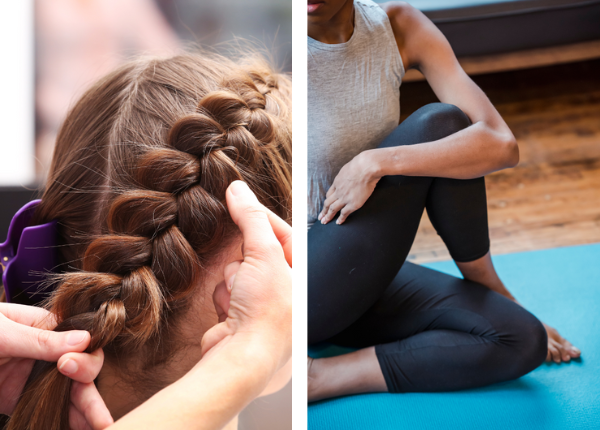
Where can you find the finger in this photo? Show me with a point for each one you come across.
(221, 300)
(344, 214)
(250, 216)
(333, 209)
(326, 205)
(283, 232)
(330, 191)
(80, 366)
(77, 420)
(230, 271)
(31, 316)
(213, 336)
(87, 400)
(330, 197)
(28, 342)
(325, 210)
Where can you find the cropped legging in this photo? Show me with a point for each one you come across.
(431, 331)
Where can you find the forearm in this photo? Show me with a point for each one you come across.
(212, 394)
(470, 153)
(279, 379)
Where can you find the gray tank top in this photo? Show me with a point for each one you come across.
(353, 98)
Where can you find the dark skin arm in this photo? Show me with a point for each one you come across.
(485, 147)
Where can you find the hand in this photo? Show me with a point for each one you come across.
(559, 349)
(351, 188)
(254, 302)
(25, 336)
(88, 410)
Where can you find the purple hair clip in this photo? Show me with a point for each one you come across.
(27, 252)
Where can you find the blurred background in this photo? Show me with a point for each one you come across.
(55, 49)
(78, 41)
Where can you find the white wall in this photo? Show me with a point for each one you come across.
(17, 93)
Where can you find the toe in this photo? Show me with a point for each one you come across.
(554, 352)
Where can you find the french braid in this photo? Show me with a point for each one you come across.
(164, 217)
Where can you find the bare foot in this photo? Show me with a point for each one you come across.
(352, 373)
(559, 349)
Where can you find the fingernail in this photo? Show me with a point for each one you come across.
(76, 337)
(69, 367)
(230, 283)
(238, 188)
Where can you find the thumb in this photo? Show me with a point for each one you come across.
(213, 336)
(252, 219)
(29, 342)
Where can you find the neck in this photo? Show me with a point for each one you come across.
(123, 394)
(337, 29)
(125, 383)
(119, 396)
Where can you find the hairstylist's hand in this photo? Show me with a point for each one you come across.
(351, 188)
(25, 336)
(260, 304)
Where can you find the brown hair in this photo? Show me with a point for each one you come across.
(137, 183)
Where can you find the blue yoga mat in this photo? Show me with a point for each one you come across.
(562, 288)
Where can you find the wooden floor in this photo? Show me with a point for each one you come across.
(552, 198)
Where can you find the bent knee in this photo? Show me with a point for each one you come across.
(530, 346)
(438, 120)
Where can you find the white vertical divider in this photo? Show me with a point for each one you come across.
(17, 150)
(299, 213)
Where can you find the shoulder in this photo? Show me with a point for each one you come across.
(402, 16)
(408, 24)
(417, 37)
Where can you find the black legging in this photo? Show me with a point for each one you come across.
(433, 332)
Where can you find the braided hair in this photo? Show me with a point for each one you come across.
(138, 183)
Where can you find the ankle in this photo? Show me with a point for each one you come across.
(313, 383)
(482, 272)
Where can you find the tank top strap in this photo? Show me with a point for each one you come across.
(353, 97)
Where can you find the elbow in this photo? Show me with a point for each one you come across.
(509, 151)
